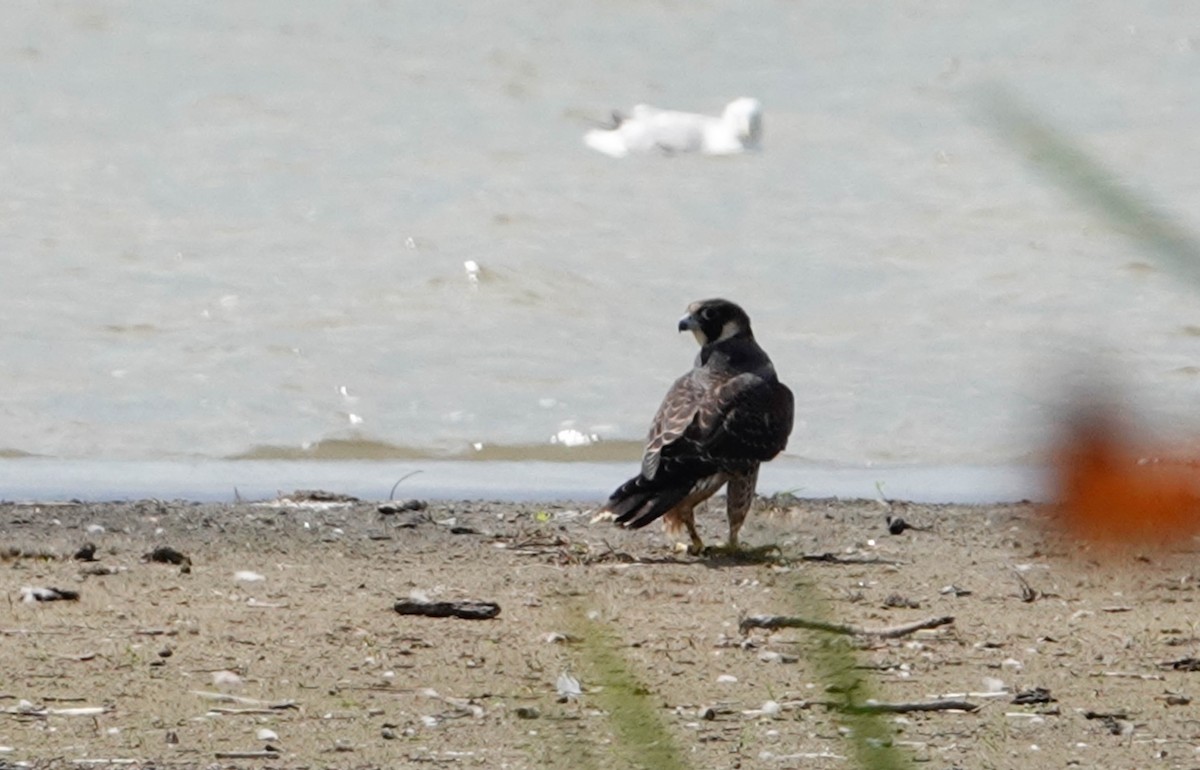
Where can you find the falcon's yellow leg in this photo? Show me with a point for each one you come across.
(738, 499)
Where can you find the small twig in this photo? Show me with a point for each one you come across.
(221, 697)
(80, 711)
(265, 754)
(1128, 675)
(612, 553)
(960, 695)
(252, 602)
(772, 622)
(462, 706)
(399, 481)
(834, 558)
(874, 707)
(1028, 593)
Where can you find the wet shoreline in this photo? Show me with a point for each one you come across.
(233, 480)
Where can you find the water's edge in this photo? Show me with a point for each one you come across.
(42, 479)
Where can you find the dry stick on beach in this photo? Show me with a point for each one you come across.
(29, 711)
(81, 711)
(469, 610)
(221, 697)
(836, 558)
(771, 622)
(874, 707)
(264, 754)
(1028, 592)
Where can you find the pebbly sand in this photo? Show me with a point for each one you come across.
(160, 664)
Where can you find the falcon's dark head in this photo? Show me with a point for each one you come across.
(714, 320)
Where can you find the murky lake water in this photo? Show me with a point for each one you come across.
(237, 230)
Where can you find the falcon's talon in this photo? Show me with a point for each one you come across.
(717, 424)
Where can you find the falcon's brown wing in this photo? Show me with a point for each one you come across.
(708, 429)
(675, 415)
(733, 424)
(751, 421)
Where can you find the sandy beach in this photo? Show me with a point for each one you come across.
(276, 643)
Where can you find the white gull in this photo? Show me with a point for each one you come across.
(649, 129)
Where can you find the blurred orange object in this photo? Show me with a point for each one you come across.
(1106, 491)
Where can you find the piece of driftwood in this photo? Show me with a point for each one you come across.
(897, 525)
(771, 622)
(465, 610)
(165, 554)
(31, 594)
(320, 496)
(86, 552)
(399, 506)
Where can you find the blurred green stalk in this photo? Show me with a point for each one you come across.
(835, 664)
(1066, 164)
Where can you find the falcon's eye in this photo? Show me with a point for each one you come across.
(707, 314)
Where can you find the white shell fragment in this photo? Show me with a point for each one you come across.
(568, 686)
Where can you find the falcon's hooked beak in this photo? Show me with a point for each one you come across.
(689, 324)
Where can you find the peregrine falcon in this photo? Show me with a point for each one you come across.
(717, 423)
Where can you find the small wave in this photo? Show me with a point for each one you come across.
(334, 449)
(371, 449)
(595, 452)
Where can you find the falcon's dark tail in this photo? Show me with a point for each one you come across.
(640, 500)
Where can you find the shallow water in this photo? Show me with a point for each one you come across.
(40, 479)
(240, 231)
